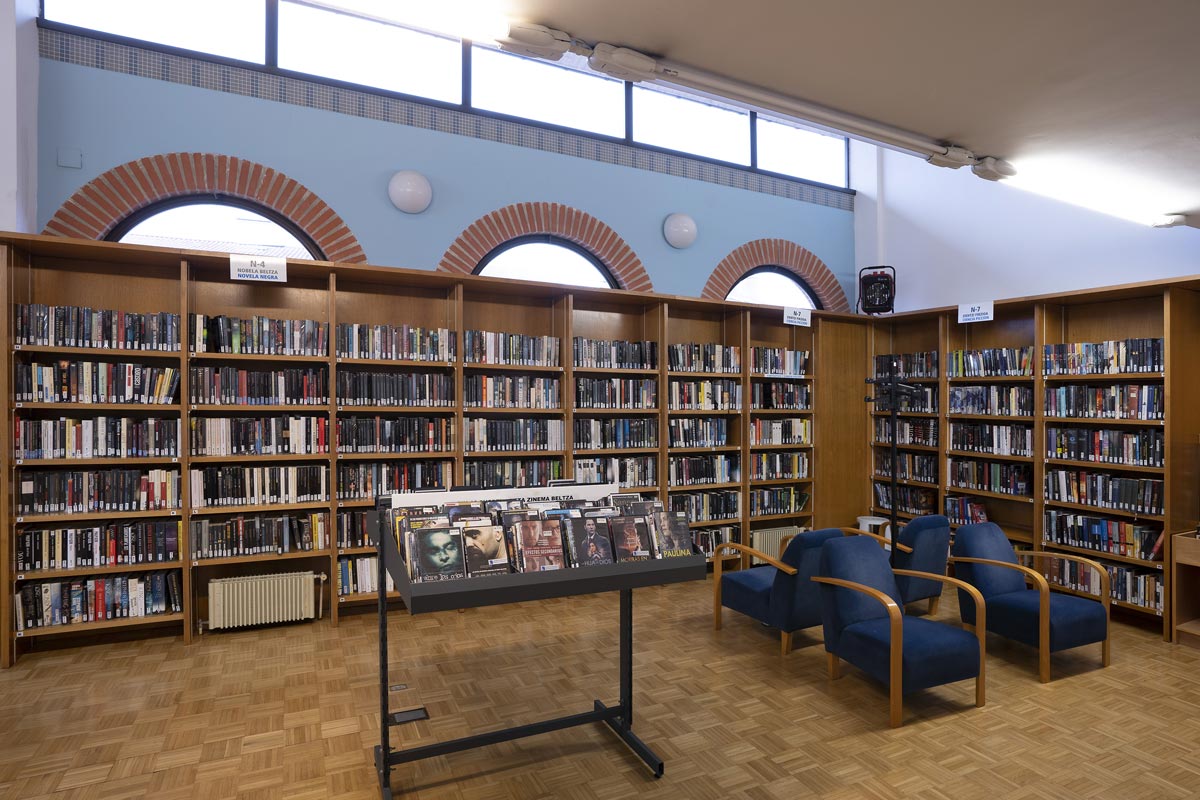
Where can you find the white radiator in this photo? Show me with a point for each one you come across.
(261, 599)
(767, 540)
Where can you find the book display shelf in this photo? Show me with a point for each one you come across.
(269, 412)
(1071, 421)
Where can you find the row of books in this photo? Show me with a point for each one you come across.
(704, 506)
(424, 389)
(1143, 447)
(356, 528)
(1139, 587)
(367, 480)
(595, 434)
(909, 466)
(964, 510)
(359, 575)
(705, 395)
(416, 434)
(300, 386)
(258, 534)
(470, 540)
(694, 357)
(94, 382)
(695, 470)
(778, 500)
(923, 432)
(95, 437)
(707, 540)
(776, 430)
(992, 362)
(257, 335)
(1104, 358)
(103, 490)
(616, 393)
(998, 401)
(907, 365)
(258, 436)
(625, 471)
(614, 354)
(484, 435)
(495, 473)
(142, 542)
(990, 476)
(779, 361)
(230, 485)
(1104, 490)
(511, 391)
(491, 347)
(781, 395)
(395, 342)
(1104, 535)
(698, 431)
(40, 325)
(915, 500)
(918, 400)
(73, 602)
(1126, 401)
(778, 466)
(985, 437)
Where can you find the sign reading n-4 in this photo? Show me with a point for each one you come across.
(271, 269)
(975, 312)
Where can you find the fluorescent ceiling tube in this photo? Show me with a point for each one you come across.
(535, 41)
(623, 63)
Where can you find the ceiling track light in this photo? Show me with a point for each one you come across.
(1171, 221)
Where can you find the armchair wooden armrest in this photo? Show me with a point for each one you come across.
(903, 548)
(1039, 580)
(718, 564)
(896, 644)
(1105, 581)
(783, 543)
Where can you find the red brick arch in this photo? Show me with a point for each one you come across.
(524, 219)
(777, 253)
(97, 207)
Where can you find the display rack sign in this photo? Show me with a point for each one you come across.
(270, 269)
(975, 312)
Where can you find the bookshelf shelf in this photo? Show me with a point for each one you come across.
(1108, 512)
(363, 597)
(791, 412)
(68, 463)
(989, 417)
(713, 375)
(619, 412)
(36, 519)
(704, 487)
(916, 414)
(905, 481)
(993, 379)
(115, 569)
(105, 354)
(1017, 498)
(617, 451)
(780, 481)
(612, 371)
(887, 512)
(724, 448)
(109, 624)
(988, 456)
(512, 453)
(423, 455)
(1104, 377)
(1101, 555)
(252, 410)
(1149, 423)
(346, 361)
(98, 408)
(684, 412)
(282, 457)
(924, 448)
(476, 411)
(270, 508)
(355, 410)
(781, 446)
(259, 358)
(642, 489)
(779, 376)
(510, 368)
(1054, 587)
(355, 502)
(1105, 465)
(714, 523)
(355, 551)
(259, 558)
(793, 515)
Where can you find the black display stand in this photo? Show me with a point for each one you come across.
(422, 598)
(890, 390)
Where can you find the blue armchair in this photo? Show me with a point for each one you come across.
(929, 538)
(865, 624)
(779, 594)
(1049, 621)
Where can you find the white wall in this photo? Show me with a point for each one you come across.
(18, 115)
(955, 238)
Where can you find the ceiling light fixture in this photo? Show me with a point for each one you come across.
(993, 169)
(1170, 221)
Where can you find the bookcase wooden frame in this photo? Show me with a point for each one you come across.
(56, 270)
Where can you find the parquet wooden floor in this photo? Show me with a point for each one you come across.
(290, 712)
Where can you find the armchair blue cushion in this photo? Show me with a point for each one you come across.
(858, 627)
(929, 538)
(771, 596)
(1014, 610)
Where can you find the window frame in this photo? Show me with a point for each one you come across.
(546, 238)
(813, 297)
(130, 222)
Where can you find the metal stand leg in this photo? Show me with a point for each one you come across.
(383, 752)
(623, 724)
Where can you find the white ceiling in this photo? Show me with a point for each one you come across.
(1104, 90)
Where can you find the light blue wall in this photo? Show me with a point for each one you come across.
(346, 160)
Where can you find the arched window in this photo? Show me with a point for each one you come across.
(546, 258)
(773, 286)
(225, 225)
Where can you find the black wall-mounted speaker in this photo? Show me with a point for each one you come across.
(877, 290)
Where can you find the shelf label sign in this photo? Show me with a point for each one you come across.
(975, 312)
(270, 269)
(798, 316)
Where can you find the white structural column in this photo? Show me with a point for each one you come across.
(18, 115)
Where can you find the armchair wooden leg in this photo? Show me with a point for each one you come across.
(1044, 664)
(717, 604)
(934, 602)
(896, 700)
(1106, 652)
(835, 667)
(785, 643)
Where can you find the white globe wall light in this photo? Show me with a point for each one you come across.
(410, 191)
(679, 230)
